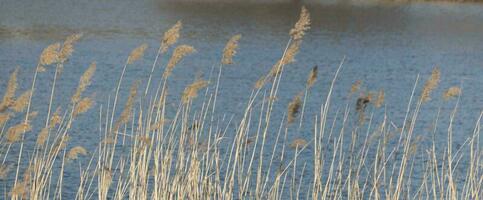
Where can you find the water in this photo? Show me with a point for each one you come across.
(386, 47)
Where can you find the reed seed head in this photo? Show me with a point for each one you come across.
(302, 25)
(356, 86)
(8, 100)
(21, 103)
(42, 137)
(68, 47)
(84, 82)
(451, 92)
(56, 118)
(50, 54)
(294, 108)
(312, 77)
(191, 91)
(15, 133)
(380, 99)
(20, 189)
(127, 112)
(230, 50)
(171, 36)
(83, 106)
(75, 152)
(430, 85)
(298, 143)
(137, 53)
(4, 170)
(4, 117)
(180, 52)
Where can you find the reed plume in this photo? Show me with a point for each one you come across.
(302, 25)
(4, 117)
(50, 54)
(451, 92)
(68, 47)
(21, 103)
(137, 53)
(380, 99)
(298, 143)
(75, 152)
(171, 36)
(191, 91)
(230, 50)
(430, 85)
(180, 52)
(356, 86)
(15, 132)
(83, 106)
(312, 77)
(56, 118)
(127, 112)
(84, 82)
(42, 137)
(4, 170)
(294, 108)
(8, 100)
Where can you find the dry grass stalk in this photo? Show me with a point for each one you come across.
(191, 91)
(356, 86)
(84, 82)
(451, 92)
(171, 36)
(230, 50)
(380, 99)
(68, 47)
(298, 143)
(180, 52)
(50, 55)
(15, 133)
(83, 106)
(10, 93)
(137, 53)
(302, 25)
(75, 152)
(312, 77)
(127, 112)
(42, 137)
(21, 103)
(294, 108)
(430, 85)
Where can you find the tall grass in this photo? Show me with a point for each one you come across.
(189, 154)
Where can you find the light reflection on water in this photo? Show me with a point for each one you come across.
(386, 47)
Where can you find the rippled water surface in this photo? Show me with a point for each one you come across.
(386, 47)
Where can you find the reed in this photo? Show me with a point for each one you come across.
(191, 150)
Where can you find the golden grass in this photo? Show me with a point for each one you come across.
(230, 50)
